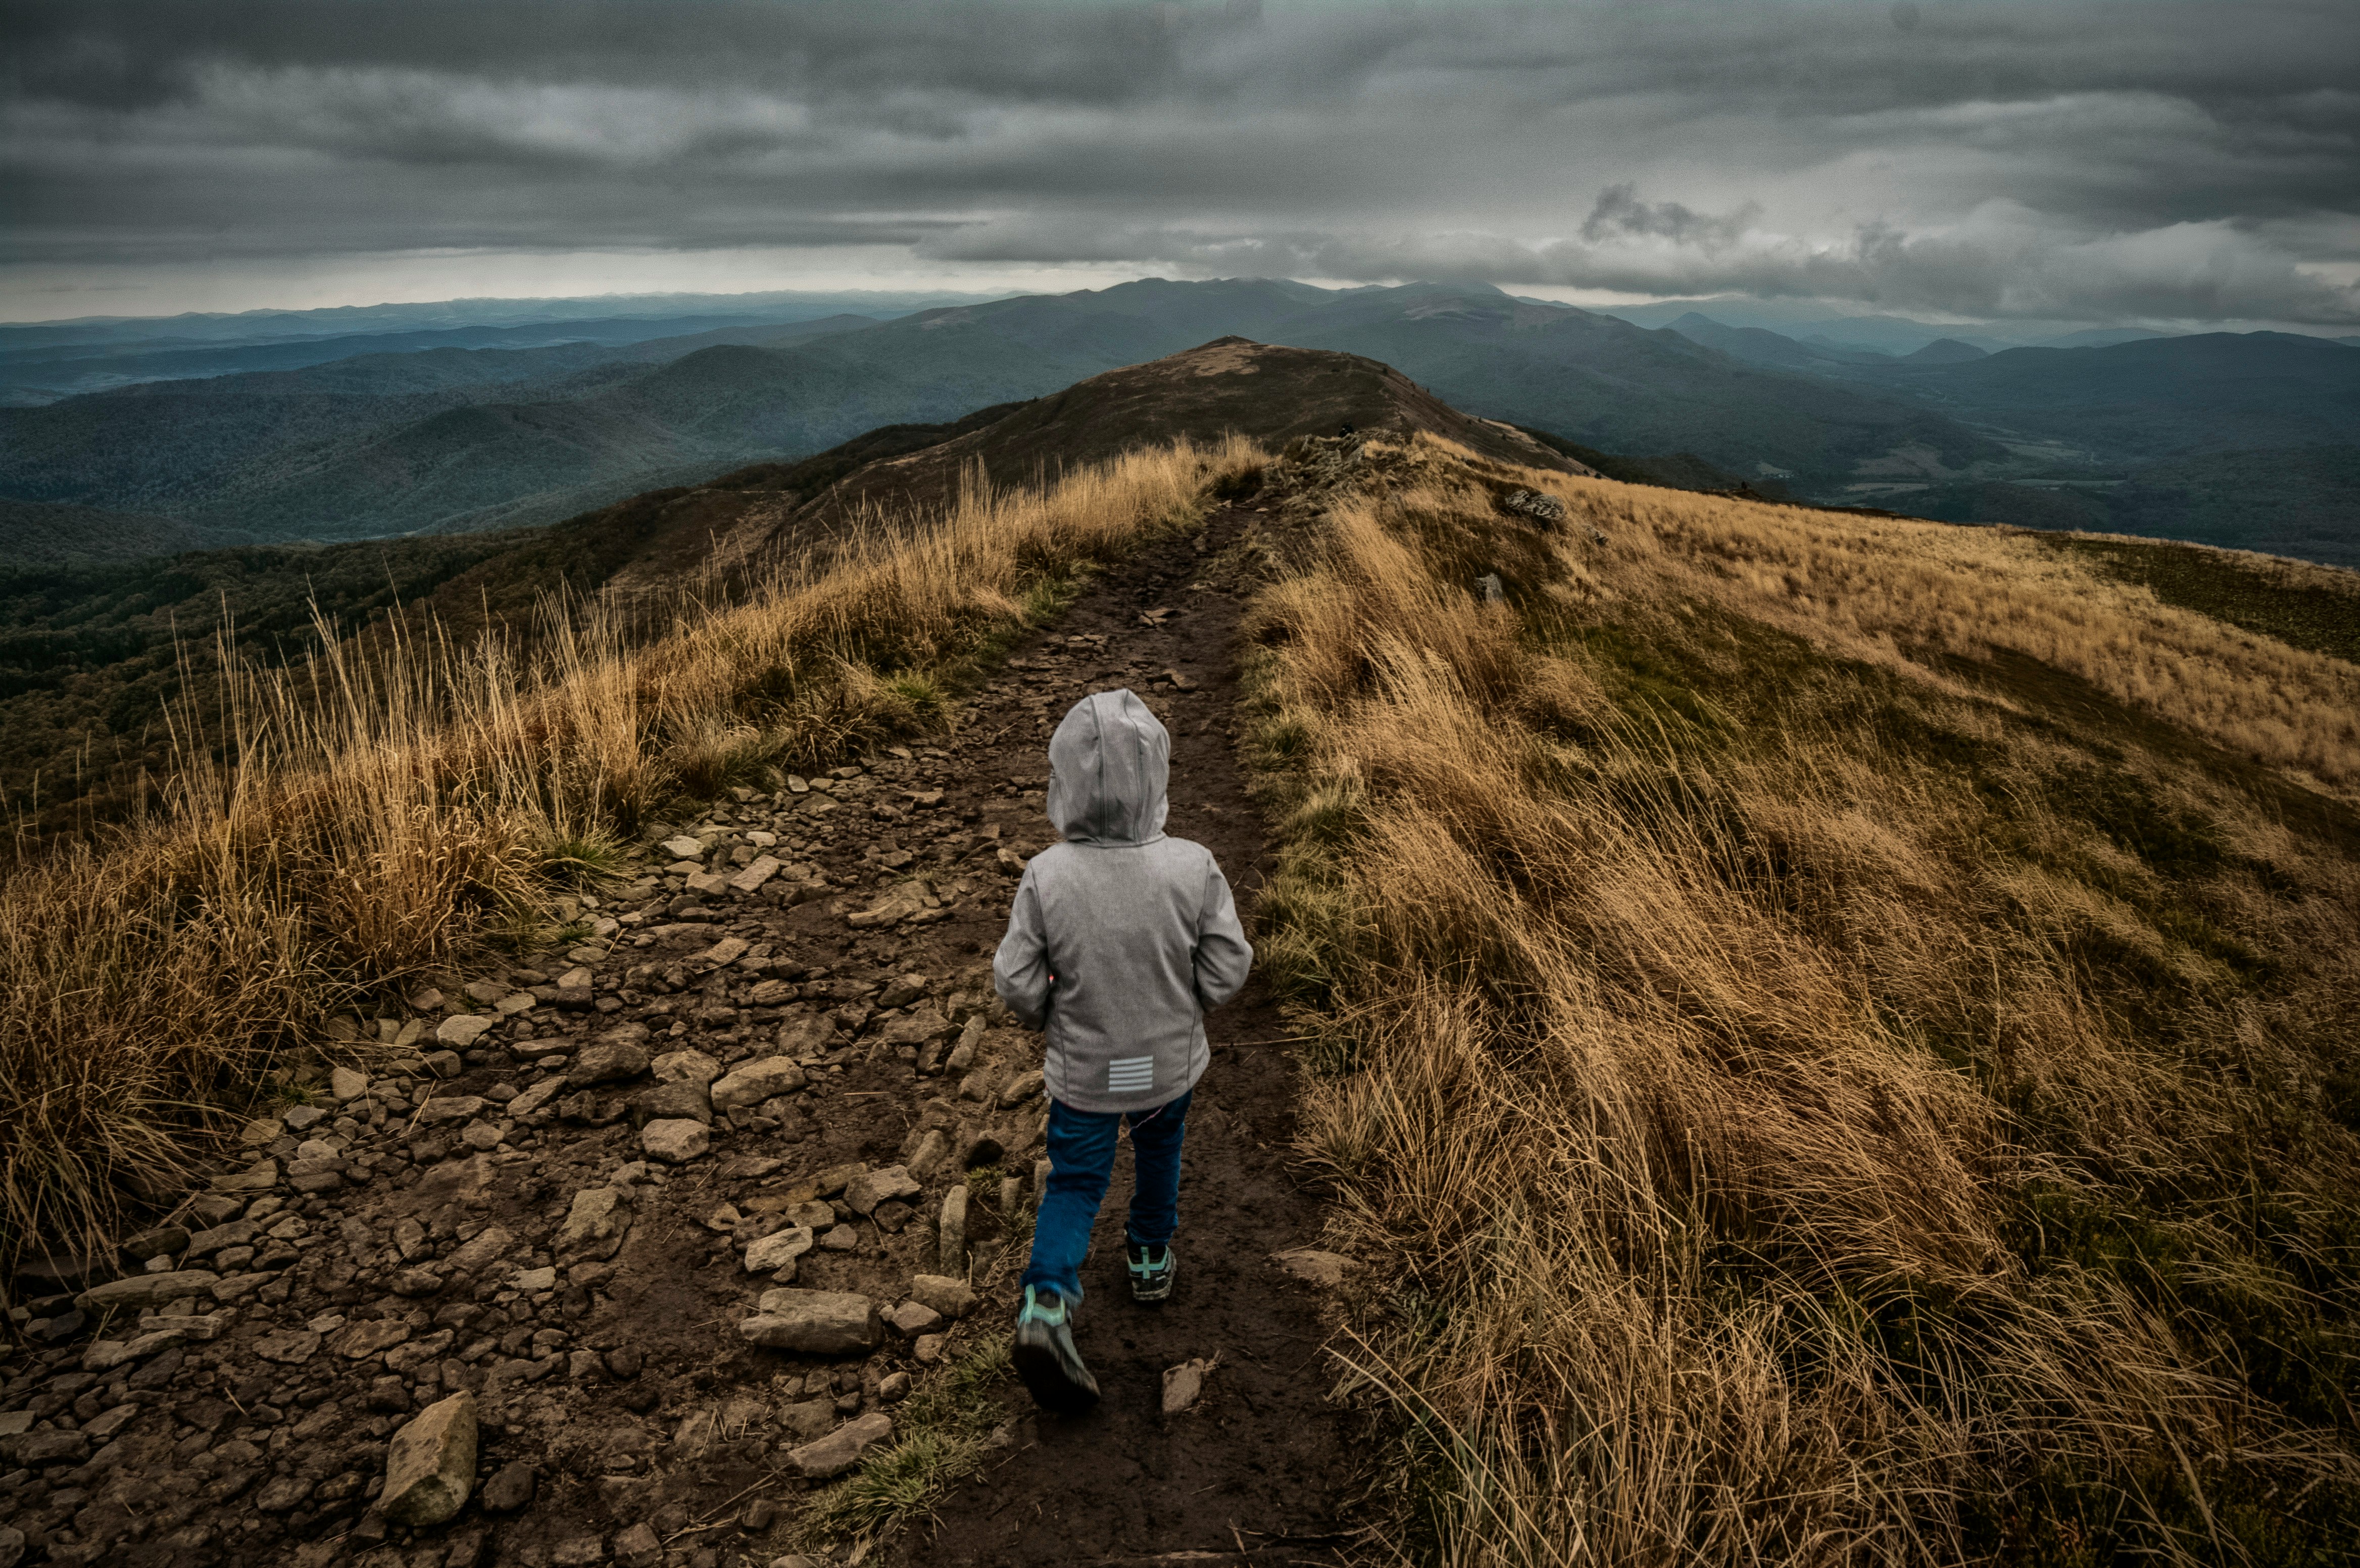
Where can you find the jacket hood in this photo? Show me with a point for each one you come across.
(1110, 766)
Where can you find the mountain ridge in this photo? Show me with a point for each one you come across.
(1595, 380)
(371, 446)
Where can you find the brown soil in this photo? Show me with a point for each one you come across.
(642, 1418)
(1260, 1464)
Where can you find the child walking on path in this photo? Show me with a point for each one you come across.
(1119, 942)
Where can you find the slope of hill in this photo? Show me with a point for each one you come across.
(389, 444)
(38, 536)
(1894, 336)
(377, 445)
(1268, 393)
(1610, 385)
(1829, 1038)
(1945, 351)
(164, 447)
(1759, 345)
(92, 656)
(2122, 395)
(1798, 320)
(1859, 901)
(2100, 337)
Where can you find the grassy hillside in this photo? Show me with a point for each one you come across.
(92, 658)
(94, 655)
(1832, 1035)
(2305, 606)
(394, 808)
(1836, 1033)
(41, 535)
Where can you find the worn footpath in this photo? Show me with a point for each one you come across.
(619, 1258)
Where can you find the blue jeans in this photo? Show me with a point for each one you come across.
(1081, 1162)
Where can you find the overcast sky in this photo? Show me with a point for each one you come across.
(2060, 160)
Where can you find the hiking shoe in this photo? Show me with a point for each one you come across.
(1045, 1357)
(1152, 1268)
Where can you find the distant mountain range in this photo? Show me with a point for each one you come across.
(32, 377)
(340, 320)
(476, 429)
(1890, 335)
(454, 438)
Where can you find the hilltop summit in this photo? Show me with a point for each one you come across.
(1270, 392)
(1264, 390)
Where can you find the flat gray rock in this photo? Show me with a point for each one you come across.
(840, 1450)
(816, 1322)
(430, 1468)
(463, 1029)
(676, 1140)
(139, 1290)
(756, 1081)
(607, 1060)
(951, 1298)
(865, 1192)
(594, 1226)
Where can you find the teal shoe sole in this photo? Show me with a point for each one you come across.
(1052, 1373)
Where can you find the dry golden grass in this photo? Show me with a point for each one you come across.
(1897, 589)
(1813, 1111)
(385, 808)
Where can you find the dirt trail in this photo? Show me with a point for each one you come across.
(544, 1203)
(1260, 1465)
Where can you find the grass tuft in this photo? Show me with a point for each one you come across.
(941, 1438)
(584, 861)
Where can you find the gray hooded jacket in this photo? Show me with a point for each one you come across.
(1121, 938)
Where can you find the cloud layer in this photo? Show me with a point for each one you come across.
(2058, 161)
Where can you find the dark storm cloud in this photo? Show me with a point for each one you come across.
(2061, 158)
(1620, 211)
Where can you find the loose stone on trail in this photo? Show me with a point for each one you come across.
(431, 1466)
(1184, 1383)
(818, 1323)
(841, 1449)
(463, 1029)
(675, 1142)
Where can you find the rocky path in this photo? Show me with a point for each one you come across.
(616, 1259)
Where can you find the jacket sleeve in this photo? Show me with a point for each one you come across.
(1020, 970)
(1223, 955)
